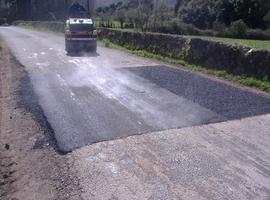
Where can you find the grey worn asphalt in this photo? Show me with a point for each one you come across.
(111, 94)
(223, 161)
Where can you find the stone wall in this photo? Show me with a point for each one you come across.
(209, 54)
(162, 44)
(235, 59)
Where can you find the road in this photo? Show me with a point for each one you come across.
(191, 137)
(112, 94)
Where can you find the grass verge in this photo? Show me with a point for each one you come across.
(247, 81)
(256, 44)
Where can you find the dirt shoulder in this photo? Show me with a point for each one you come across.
(30, 167)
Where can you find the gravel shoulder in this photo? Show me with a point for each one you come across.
(30, 168)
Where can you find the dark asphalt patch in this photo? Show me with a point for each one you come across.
(29, 101)
(228, 101)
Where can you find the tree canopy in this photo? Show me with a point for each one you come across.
(203, 14)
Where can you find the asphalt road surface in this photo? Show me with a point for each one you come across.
(111, 94)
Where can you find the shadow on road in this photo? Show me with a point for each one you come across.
(83, 54)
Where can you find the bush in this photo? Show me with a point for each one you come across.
(219, 26)
(267, 19)
(106, 42)
(175, 26)
(238, 29)
(258, 34)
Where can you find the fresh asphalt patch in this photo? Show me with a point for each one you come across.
(225, 100)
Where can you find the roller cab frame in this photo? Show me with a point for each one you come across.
(80, 35)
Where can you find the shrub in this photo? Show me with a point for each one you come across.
(238, 29)
(267, 19)
(175, 26)
(258, 34)
(219, 26)
(106, 42)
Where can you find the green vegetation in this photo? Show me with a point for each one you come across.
(263, 84)
(239, 28)
(204, 13)
(256, 44)
(248, 19)
(107, 23)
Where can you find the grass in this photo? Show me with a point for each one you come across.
(114, 23)
(247, 81)
(256, 44)
(262, 84)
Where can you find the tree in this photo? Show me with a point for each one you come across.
(177, 6)
(239, 28)
(145, 8)
(252, 12)
(203, 13)
(160, 13)
(200, 13)
(131, 16)
(120, 16)
(266, 19)
(24, 9)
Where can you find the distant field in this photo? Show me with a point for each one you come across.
(256, 44)
(114, 23)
